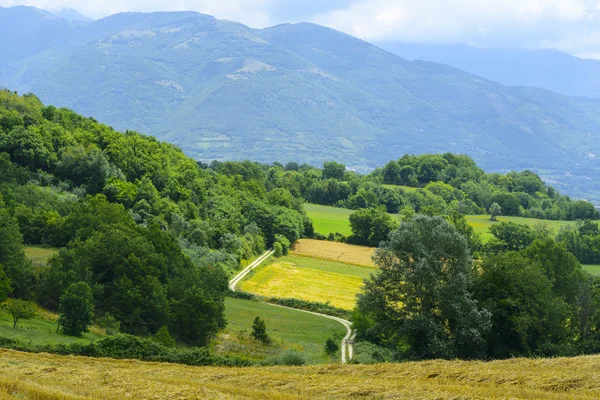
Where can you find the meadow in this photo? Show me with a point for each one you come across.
(309, 279)
(331, 219)
(334, 251)
(289, 330)
(52, 377)
(39, 255)
(41, 330)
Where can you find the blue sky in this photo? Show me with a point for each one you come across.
(568, 25)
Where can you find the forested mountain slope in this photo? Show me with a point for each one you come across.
(300, 92)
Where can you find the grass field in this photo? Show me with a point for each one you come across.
(39, 255)
(405, 188)
(592, 269)
(289, 329)
(51, 377)
(342, 252)
(41, 330)
(328, 220)
(331, 219)
(309, 279)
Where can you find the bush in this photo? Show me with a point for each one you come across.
(321, 308)
(290, 357)
(284, 242)
(163, 337)
(277, 249)
(76, 309)
(331, 347)
(110, 324)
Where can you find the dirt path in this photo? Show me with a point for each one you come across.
(346, 348)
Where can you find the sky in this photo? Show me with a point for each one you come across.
(572, 26)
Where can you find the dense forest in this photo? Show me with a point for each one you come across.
(154, 236)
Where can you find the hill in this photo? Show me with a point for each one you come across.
(221, 90)
(50, 377)
(544, 68)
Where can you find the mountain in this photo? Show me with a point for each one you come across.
(72, 16)
(545, 68)
(300, 92)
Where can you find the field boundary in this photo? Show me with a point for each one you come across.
(347, 349)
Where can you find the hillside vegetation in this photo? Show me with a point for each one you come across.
(279, 93)
(50, 377)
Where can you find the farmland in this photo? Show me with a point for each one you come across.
(331, 219)
(39, 255)
(50, 377)
(289, 330)
(309, 279)
(334, 251)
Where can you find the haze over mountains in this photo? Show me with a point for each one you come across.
(299, 92)
(544, 68)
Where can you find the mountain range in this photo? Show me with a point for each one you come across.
(544, 68)
(301, 92)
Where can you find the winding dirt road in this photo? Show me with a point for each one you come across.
(347, 349)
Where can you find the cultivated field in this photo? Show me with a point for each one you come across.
(289, 329)
(51, 377)
(309, 279)
(334, 251)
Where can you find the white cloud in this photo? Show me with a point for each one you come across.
(251, 12)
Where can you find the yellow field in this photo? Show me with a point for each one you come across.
(50, 377)
(309, 279)
(342, 252)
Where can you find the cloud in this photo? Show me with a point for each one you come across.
(569, 25)
(523, 23)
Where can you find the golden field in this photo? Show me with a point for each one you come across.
(50, 377)
(341, 252)
(310, 279)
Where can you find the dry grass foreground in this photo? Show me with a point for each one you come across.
(49, 377)
(341, 252)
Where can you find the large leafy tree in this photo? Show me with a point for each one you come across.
(76, 309)
(420, 300)
(370, 226)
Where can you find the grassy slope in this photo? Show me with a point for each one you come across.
(309, 279)
(41, 330)
(50, 377)
(290, 329)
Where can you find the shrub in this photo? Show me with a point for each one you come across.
(285, 243)
(163, 337)
(259, 331)
(76, 309)
(110, 324)
(278, 249)
(19, 309)
(331, 347)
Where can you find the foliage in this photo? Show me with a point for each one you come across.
(110, 324)
(370, 226)
(259, 331)
(495, 210)
(164, 337)
(76, 309)
(19, 309)
(331, 346)
(421, 299)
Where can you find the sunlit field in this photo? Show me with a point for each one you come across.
(334, 251)
(309, 279)
(51, 377)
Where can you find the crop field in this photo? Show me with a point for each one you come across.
(309, 279)
(52, 377)
(334, 251)
(331, 219)
(41, 330)
(39, 255)
(289, 330)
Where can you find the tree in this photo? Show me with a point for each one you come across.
(525, 314)
(110, 324)
(420, 300)
(17, 268)
(76, 309)
(331, 346)
(495, 210)
(164, 337)
(259, 331)
(5, 287)
(333, 170)
(370, 226)
(19, 309)
(511, 236)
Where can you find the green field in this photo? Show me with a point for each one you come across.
(309, 279)
(592, 269)
(41, 330)
(331, 219)
(39, 255)
(405, 188)
(290, 329)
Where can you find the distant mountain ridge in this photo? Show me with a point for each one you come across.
(544, 68)
(300, 92)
